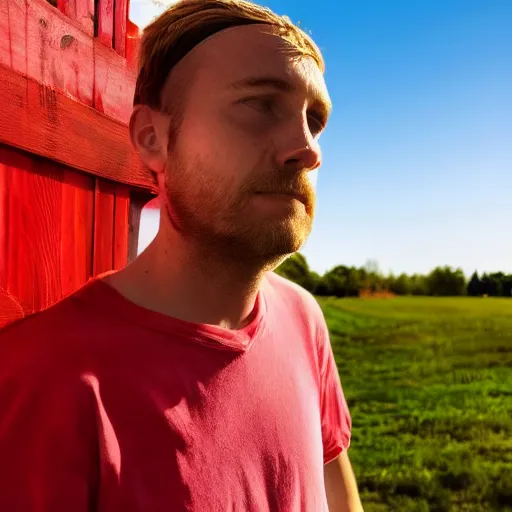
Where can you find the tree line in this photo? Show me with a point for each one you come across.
(344, 281)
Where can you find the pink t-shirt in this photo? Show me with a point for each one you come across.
(109, 407)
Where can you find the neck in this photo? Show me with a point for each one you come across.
(178, 279)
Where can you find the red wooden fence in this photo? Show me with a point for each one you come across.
(71, 187)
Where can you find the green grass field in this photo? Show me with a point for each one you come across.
(429, 385)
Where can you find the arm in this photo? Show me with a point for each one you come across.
(340, 485)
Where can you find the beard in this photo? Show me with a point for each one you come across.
(220, 215)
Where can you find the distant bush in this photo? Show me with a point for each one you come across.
(344, 281)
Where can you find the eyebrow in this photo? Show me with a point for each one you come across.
(261, 82)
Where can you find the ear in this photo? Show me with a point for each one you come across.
(149, 137)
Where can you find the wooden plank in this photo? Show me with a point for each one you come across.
(5, 172)
(120, 26)
(121, 227)
(114, 83)
(103, 250)
(5, 34)
(34, 232)
(10, 308)
(132, 43)
(59, 52)
(13, 30)
(82, 11)
(77, 230)
(105, 13)
(42, 121)
(42, 42)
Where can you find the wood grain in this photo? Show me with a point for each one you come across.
(120, 26)
(5, 172)
(13, 30)
(77, 230)
(42, 42)
(105, 13)
(42, 121)
(114, 83)
(10, 308)
(59, 52)
(82, 11)
(132, 43)
(33, 232)
(121, 228)
(67, 170)
(104, 197)
(46, 229)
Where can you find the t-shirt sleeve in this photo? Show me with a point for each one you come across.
(48, 454)
(336, 420)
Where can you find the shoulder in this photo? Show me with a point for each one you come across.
(289, 296)
(45, 342)
(47, 365)
(56, 319)
(286, 289)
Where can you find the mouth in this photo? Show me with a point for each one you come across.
(286, 195)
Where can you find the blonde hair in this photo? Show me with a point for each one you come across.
(185, 24)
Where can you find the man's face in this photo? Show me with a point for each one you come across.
(236, 177)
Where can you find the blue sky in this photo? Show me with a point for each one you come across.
(418, 153)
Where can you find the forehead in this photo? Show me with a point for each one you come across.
(253, 51)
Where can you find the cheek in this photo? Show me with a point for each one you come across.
(201, 138)
(229, 154)
(198, 176)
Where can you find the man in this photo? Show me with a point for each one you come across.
(194, 379)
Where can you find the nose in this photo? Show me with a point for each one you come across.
(297, 147)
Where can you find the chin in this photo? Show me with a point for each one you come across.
(261, 239)
(276, 243)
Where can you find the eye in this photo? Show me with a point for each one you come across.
(261, 104)
(316, 122)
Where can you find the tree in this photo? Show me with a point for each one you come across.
(334, 282)
(342, 281)
(507, 285)
(495, 283)
(418, 284)
(296, 269)
(401, 285)
(475, 288)
(444, 281)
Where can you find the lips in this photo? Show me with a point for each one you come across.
(295, 195)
